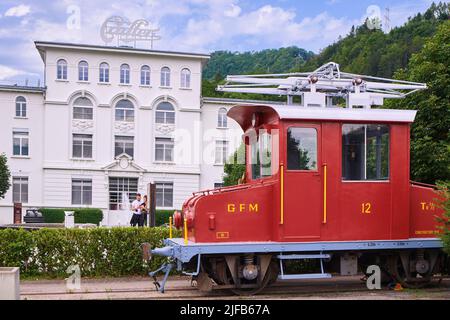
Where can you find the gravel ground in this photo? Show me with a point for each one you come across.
(342, 288)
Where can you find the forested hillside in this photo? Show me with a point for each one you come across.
(365, 51)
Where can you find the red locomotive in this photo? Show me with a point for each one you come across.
(324, 182)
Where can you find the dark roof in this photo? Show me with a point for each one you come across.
(17, 88)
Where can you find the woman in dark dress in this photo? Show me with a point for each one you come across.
(144, 212)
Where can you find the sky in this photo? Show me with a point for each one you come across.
(185, 25)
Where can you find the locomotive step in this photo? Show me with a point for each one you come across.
(303, 256)
(304, 276)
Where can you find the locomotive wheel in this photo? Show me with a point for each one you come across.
(225, 277)
(402, 270)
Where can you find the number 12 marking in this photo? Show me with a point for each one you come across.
(366, 207)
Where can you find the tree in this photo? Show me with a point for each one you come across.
(234, 169)
(4, 176)
(444, 204)
(430, 145)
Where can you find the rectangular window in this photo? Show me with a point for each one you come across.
(124, 144)
(20, 190)
(218, 185)
(20, 142)
(81, 192)
(302, 149)
(122, 191)
(164, 149)
(221, 152)
(83, 113)
(261, 156)
(365, 152)
(164, 194)
(82, 146)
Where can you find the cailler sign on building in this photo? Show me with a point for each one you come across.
(125, 31)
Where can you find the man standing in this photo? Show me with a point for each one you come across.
(136, 208)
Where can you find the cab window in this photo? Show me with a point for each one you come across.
(261, 156)
(302, 149)
(365, 152)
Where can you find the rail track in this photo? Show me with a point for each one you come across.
(335, 288)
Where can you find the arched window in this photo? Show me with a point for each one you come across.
(104, 72)
(83, 109)
(185, 78)
(165, 77)
(145, 76)
(222, 118)
(83, 71)
(125, 74)
(61, 69)
(125, 111)
(21, 107)
(165, 113)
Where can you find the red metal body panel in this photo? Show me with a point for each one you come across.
(423, 212)
(356, 210)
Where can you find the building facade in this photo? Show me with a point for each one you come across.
(109, 121)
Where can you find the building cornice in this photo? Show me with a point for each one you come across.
(42, 46)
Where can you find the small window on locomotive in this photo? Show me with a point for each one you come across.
(261, 156)
(302, 149)
(365, 152)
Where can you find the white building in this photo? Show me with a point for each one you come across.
(111, 120)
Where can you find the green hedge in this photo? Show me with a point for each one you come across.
(162, 217)
(98, 252)
(82, 215)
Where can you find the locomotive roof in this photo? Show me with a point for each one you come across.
(242, 114)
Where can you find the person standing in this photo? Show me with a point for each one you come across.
(144, 211)
(136, 209)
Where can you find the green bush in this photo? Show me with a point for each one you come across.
(444, 203)
(82, 215)
(162, 216)
(98, 252)
(88, 215)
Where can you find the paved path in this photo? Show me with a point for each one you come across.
(180, 288)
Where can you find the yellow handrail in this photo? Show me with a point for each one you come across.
(324, 193)
(170, 227)
(185, 232)
(281, 194)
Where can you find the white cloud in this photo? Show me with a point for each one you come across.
(8, 72)
(233, 11)
(18, 11)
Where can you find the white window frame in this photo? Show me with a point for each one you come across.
(145, 75)
(83, 71)
(23, 137)
(21, 107)
(61, 69)
(162, 188)
(126, 113)
(221, 152)
(84, 139)
(103, 76)
(167, 145)
(164, 114)
(222, 119)
(83, 108)
(125, 74)
(19, 182)
(85, 185)
(118, 185)
(185, 81)
(123, 140)
(165, 77)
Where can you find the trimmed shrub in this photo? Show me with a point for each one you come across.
(98, 252)
(162, 217)
(82, 215)
(52, 215)
(88, 215)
